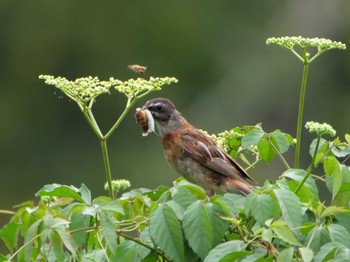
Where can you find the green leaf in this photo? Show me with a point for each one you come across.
(331, 210)
(337, 178)
(229, 202)
(341, 150)
(343, 220)
(347, 138)
(219, 226)
(32, 232)
(306, 254)
(85, 194)
(327, 251)
(198, 229)
(284, 233)
(166, 232)
(56, 243)
(330, 163)
(108, 228)
(342, 254)
(223, 249)
(67, 240)
(266, 151)
(265, 204)
(317, 238)
(280, 141)
(290, 207)
(235, 255)
(9, 234)
(78, 220)
(286, 255)
(113, 206)
(309, 185)
(343, 196)
(339, 234)
(183, 196)
(252, 138)
(60, 191)
(130, 251)
(322, 146)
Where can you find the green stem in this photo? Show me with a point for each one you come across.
(107, 167)
(311, 168)
(285, 163)
(26, 244)
(301, 110)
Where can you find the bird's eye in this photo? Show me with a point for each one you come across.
(158, 107)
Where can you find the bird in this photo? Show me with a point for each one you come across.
(193, 154)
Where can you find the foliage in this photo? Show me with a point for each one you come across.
(285, 220)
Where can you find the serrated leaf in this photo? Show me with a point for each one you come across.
(339, 234)
(266, 151)
(290, 207)
(341, 150)
(198, 229)
(265, 204)
(223, 249)
(284, 233)
(67, 240)
(252, 138)
(331, 210)
(342, 254)
(322, 146)
(130, 251)
(330, 163)
(108, 228)
(166, 232)
(299, 175)
(327, 251)
(79, 220)
(337, 178)
(235, 255)
(183, 196)
(347, 138)
(219, 226)
(286, 255)
(56, 243)
(60, 191)
(306, 254)
(280, 141)
(85, 194)
(113, 206)
(9, 234)
(317, 238)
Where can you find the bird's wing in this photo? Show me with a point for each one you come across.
(203, 149)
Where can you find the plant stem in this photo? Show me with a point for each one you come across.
(311, 167)
(107, 167)
(301, 109)
(285, 163)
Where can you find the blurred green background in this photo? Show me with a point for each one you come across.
(227, 76)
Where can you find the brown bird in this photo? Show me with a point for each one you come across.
(192, 153)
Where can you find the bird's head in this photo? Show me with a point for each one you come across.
(166, 118)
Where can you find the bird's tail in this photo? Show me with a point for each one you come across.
(234, 186)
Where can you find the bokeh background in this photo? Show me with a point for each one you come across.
(227, 76)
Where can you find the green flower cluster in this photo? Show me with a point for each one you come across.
(223, 138)
(320, 129)
(82, 90)
(321, 43)
(118, 184)
(134, 87)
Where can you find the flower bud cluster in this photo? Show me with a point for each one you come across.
(322, 44)
(118, 184)
(135, 87)
(82, 90)
(320, 129)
